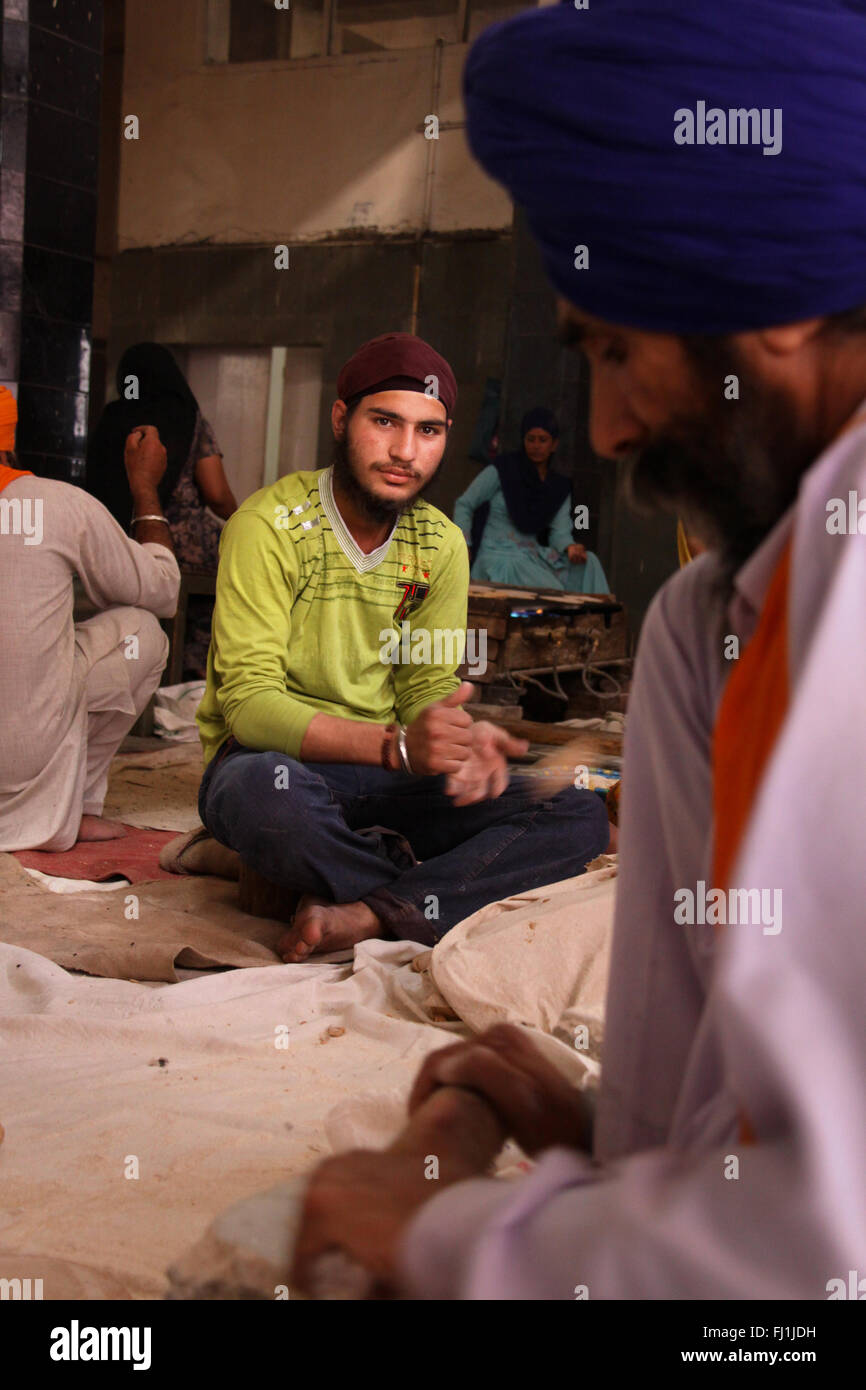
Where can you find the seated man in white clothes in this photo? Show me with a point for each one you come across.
(70, 691)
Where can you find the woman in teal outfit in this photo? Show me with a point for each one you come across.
(527, 536)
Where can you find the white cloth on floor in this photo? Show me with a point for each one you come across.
(551, 949)
(54, 884)
(254, 1088)
(174, 710)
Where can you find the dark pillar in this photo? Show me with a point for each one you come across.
(539, 372)
(638, 552)
(49, 125)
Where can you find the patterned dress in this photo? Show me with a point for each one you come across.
(195, 532)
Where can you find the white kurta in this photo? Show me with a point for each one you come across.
(69, 692)
(706, 1023)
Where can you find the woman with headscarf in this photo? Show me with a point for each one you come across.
(195, 494)
(517, 518)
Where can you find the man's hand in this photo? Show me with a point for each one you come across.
(145, 459)
(439, 739)
(361, 1202)
(535, 1103)
(576, 554)
(484, 773)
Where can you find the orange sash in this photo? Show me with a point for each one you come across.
(751, 714)
(8, 475)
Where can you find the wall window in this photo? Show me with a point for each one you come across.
(263, 404)
(483, 13)
(259, 31)
(372, 26)
(255, 31)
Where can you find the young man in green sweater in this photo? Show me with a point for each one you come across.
(330, 764)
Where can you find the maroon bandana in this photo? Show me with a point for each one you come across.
(397, 362)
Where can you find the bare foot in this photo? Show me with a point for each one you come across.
(320, 926)
(98, 828)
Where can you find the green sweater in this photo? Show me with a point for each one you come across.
(303, 619)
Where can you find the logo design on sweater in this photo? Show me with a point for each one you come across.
(413, 594)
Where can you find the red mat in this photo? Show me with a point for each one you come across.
(135, 857)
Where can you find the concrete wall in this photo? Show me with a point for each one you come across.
(277, 152)
(386, 230)
(334, 296)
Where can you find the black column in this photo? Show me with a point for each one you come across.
(638, 551)
(539, 372)
(49, 126)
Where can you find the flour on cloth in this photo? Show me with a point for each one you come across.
(247, 1095)
(240, 1103)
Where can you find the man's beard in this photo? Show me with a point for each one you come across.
(733, 468)
(348, 479)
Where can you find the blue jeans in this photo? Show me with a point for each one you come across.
(352, 833)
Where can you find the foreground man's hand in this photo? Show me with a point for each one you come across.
(439, 739)
(537, 1106)
(361, 1202)
(484, 773)
(576, 554)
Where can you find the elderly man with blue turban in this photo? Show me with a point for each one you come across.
(695, 176)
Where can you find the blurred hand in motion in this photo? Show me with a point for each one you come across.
(483, 774)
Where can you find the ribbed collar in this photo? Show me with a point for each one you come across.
(345, 540)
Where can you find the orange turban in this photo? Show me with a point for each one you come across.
(8, 420)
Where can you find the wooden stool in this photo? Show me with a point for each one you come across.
(191, 582)
(261, 898)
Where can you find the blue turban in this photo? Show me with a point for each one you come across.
(575, 111)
